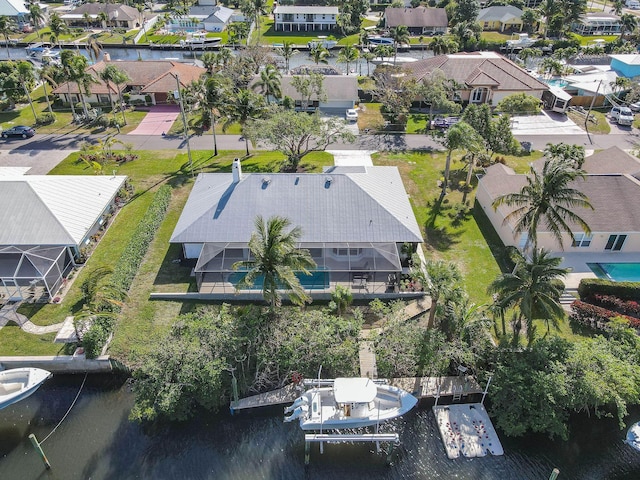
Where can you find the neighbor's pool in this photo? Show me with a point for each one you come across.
(318, 280)
(557, 82)
(619, 272)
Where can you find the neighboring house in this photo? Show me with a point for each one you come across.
(152, 78)
(612, 185)
(419, 21)
(485, 77)
(15, 9)
(501, 18)
(597, 24)
(298, 18)
(340, 92)
(118, 15)
(218, 20)
(354, 221)
(46, 221)
(203, 17)
(626, 65)
(592, 81)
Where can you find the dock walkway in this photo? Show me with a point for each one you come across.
(286, 394)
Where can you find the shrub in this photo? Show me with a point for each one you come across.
(624, 290)
(597, 317)
(625, 307)
(46, 119)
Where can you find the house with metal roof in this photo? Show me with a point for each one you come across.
(484, 77)
(118, 15)
(354, 221)
(46, 221)
(14, 9)
(597, 24)
(339, 92)
(419, 20)
(626, 65)
(303, 18)
(612, 185)
(500, 18)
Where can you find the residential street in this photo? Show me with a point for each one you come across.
(363, 142)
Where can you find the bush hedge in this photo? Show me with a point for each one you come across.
(599, 286)
(625, 307)
(125, 270)
(597, 317)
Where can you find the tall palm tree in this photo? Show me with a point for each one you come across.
(533, 288)
(368, 57)
(244, 106)
(94, 48)
(548, 9)
(27, 77)
(107, 75)
(47, 74)
(628, 23)
(319, 54)
(56, 28)
(37, 17)
(442, 45)
(442, 282)
(6, 27)
(269, 83)
(460, 135)
(67, 75)
(120, 79)
(207, 95)
(254, 9)
(347, 55)
(87, 19)
(286, 51)
(383, 51)
(276, 258)
(400, 35)
(547, 199)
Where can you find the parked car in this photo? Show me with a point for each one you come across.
(352, 115)
(444, 122)
(621, 115)
(635, 107)
(19, 131)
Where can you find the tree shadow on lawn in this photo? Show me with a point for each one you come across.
(497, 247)
(175, 269)
(440, 238)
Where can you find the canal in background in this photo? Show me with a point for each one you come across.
(97, 441)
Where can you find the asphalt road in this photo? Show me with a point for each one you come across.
(365, 142)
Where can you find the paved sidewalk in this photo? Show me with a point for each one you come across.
(9, 313)
(158, 121)
(352, 158)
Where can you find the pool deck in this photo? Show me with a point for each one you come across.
(577, 263)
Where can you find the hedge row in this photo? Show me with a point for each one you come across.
(625, 307)
(125, 270)
(597, 317)
(599, 286)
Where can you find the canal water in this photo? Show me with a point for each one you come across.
(97, 441)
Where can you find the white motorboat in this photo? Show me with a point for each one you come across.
(43, 53)
(633, 436)
(18, 383)
(322, 41)
(349, 403)
(392, 60)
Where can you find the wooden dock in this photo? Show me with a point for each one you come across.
(430, 387)
(280, 396)
(368, 365)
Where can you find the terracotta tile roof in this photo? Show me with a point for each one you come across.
(152, 76)
(474, 68)
(416, 17)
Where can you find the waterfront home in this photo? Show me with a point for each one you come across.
(612, 185)
(301, 18)
(597, 24)
(484, 77)
(46, 221)
(626, 65)
(15, 9)
(354, 221)
(202, 17)
(118, 15)
(419, 21)
(500, 18)
(149, 81)
(340, 92)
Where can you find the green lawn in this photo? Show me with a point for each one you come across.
(269, 35)
(140, 317)
(469, 240)
(588, 39)
(109, 37)
(600, 127)
(495, 37)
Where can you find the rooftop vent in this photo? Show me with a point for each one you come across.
(265, 182)
(327, 181)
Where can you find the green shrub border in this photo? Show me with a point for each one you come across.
(599, 286)
(127, 267)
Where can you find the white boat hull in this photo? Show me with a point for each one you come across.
(633, 436)
(319, 408)
(19, 383)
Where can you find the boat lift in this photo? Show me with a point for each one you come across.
(392, 439)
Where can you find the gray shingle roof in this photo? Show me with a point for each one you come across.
(336, 87)
(502, 13)
(611, 160)
(416, 17)
(351, 207)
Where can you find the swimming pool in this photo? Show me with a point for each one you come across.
(618, 272)
(557, 82)
(318, 280)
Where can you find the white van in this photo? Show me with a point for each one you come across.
(633, 4)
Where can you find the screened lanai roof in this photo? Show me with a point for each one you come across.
(32, 262)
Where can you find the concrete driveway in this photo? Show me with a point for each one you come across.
(545, 123)
(158, 121)
(352, 158)
(32, 162)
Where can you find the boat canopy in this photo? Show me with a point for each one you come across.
(354, 390)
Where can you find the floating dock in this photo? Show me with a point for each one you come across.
(467, 430)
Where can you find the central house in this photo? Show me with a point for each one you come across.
(354, 221)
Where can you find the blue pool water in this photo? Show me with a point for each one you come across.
(318, 280)
(619, 272)
(557, 82)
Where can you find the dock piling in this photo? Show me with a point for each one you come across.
(36, 445)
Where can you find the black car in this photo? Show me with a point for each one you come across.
(19, 131)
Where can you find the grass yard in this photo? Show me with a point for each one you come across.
(369, 116)
(112, 38)
(467, 239)
(495, 36)
(589, 39)
(269, 35)
(141, 318)
(600, 127)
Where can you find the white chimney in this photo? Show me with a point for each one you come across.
(236, 170)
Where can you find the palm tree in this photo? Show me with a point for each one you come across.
(27, 77)
(120, 79)
(319, 54)
(383, 51)
(348, 55)
(547, 199)
(547, 9)
(207, 95)
(572, 154)
(368, 57)
(56, 28)
(94, 48)
(442, 283)
(460, 135)
(286, 51)
(244, 106)
(254, 9)
(47, 74)
(107, 75)
(87, 18)
(6, 27)
(533, 288)
(66, 67)
(269, 83)
(400, 35)
(442, 45)
(276, 258)
(37, 17)
(628, 23)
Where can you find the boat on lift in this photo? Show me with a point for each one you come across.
(348, 403)
(18, 383)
